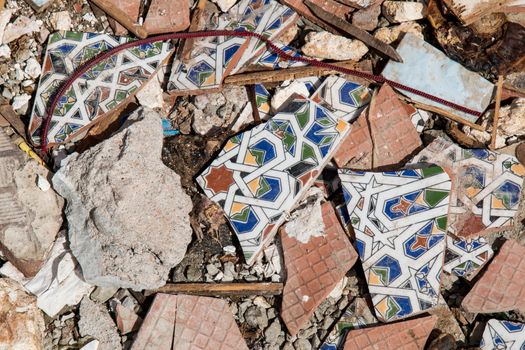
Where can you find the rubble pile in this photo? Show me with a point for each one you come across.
(262, 174)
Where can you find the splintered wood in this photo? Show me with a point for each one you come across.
(273, 76)
(222, 289)
(469, 11)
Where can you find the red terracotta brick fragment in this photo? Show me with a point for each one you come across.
(167, 16)
(406, 335)
(181, 322)
(331, 6)
(129, 7)
(383, 136)
(502, 286)
(313, 269)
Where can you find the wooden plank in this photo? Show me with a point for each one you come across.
(7, 112)
(445, 114)
(499, 89)
(469, 11)
(222, 289)
(272, 76)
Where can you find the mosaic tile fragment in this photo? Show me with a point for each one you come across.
(313, 269)
(465, 257)
(486, 187)
(100, 90)
(260, 174)
(356, 316)
(344, 97)
(502, 285)
(439, 76)
(400, 222)
(205, 62)
(503, 335)
(406, 335)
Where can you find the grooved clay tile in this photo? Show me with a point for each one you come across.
(502, 286)
(182, 322)
(156, 332)
(407, 335)
(384, 137)
(204, 323)
(313, 269)
(166, 16)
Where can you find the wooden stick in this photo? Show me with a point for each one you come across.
(222, 289)
(13, 118)
(445, 114)
(121, 17)
(271, 76)
(499, 89)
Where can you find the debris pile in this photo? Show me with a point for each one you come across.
(262, 174)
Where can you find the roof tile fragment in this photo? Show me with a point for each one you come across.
(407, 335)
(502, 285)
(313, 269)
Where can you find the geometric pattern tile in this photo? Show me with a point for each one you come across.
(204, 323)
(209, 60)
(465, 257)
(486, 187)
(503, 335)
(269, 59)
(406, 335)
(400, 223)
(262, 101)
(419, 119)
(101, 89)
(260, 174)
(313, 269)
(344, 97)
(502, 285)
(356, 316)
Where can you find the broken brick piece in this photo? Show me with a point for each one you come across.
(156, 332)
(130, 8)
(502, 286)
(407, 335)
(393, 134)
(386, 137)
(166, 17)
(313, 269)
(356, 149)
(205, 323)
(334, 7)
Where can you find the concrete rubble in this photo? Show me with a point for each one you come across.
(104, 200)
(355, 183)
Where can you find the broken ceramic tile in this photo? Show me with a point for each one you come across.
(130, 7)
(502, 285)
(465, 257)
(156, 331)
(337, 8)
(59, 282)
(163, 17)
(383, 138)
(356, 316)
(317, 255)
(205, 323)
(99, 91)
(487, 187)
(344, 97)
(503, 335)
(438, 76)
(411, 334)
(260, 174)
(206, 62)
(400, 222)
(269, 59)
